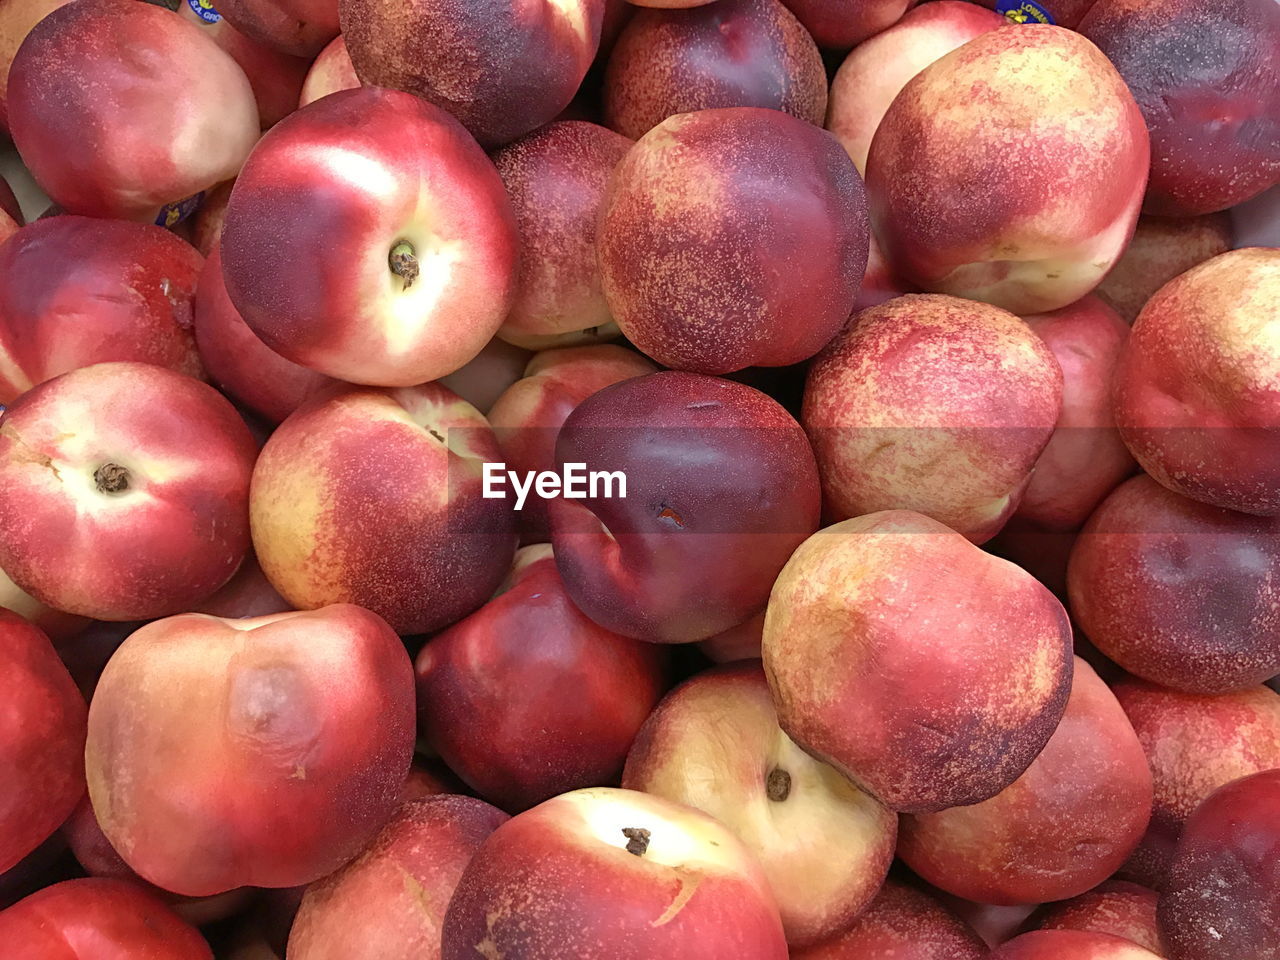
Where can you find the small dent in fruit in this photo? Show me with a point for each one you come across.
(666, 513)
(778, 785)
(111, 478)
(404, 262)
(637, 840)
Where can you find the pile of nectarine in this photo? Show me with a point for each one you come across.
(639, 480)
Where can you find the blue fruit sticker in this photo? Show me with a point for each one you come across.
(204, 10)
(172, 214)
(1017, 11)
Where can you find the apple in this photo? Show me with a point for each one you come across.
(556, 178)
(851, 653)
(1071, 944)
(389, 902)
(42, 730)
(1194, 744)
(1068, 823)
(528, 415)
(76, 291)
(983, 183)
(1208, 82)
(331, 71)
(878, 68)
(1197, 390)
(401, 261)
(721, 488)
(375, 497)
(840, 24)
(1161, 249)
(123, 491)
(897, 423)
(714, 744)
(732, 53)
(1178, 592)
(612, 873)
(238, 361)
(699, 215)
(112, 136)
(503, 68)
(296, 733)
(901, 923)
(1223, 894)
(297, 27)
(1117, 907)
(97, 918)
(527, 698)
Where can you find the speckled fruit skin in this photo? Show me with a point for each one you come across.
(148, 542)
(75, 291)
(559, 876)
(527, 417)
(1161, 249)
(1070, 944)
(971, 198)
(1178, 592)
(504, 68)
(1197, 391)
(1117, 907)
(374, 497)
(107, 135)
(897, 421)
(297, 27)
(1064, 826)
(1207, 78)
(901, 924)
(298, 730)
(920, 732)
(308, 237)
(733, 238)
(527, 698)
(714, 744)
(840, 24)
(95, 918)
(389, 903)
(17, 17)
(731, 53)
(238, 361)
(1223, 895)
(556, 178)
(41, 739)
(873, 73)
(1194, 744)
(721, 488)
(331, 72)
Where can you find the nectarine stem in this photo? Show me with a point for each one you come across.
(404, 263)
(637, 840)
(778, 785)
(111, 478)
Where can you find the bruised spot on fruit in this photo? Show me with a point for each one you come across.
(666, 513)
(270, 707)
(637, 840)
(778, 785)
(404, 262)
(111, 478)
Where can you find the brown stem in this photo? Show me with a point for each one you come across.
(778, 785)
(637, 840)
(111, 478)
(404, 262)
